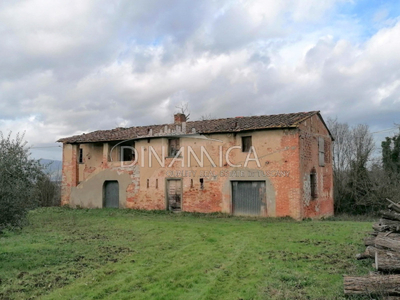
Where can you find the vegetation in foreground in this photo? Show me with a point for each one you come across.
(126, 254)
(20, 176)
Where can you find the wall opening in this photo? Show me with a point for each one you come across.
(246, 143)
(313, 184)
(174, 194)
(111, 194)
(80, 156)
(173, 147)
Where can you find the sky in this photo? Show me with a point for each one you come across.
(69, 67)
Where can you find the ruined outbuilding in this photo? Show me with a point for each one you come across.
(272, 166)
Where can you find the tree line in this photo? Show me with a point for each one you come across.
(363, 179)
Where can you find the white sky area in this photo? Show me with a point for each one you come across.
(68, 67)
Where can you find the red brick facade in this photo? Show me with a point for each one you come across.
(297, 185)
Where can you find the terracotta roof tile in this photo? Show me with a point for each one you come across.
(237, 124)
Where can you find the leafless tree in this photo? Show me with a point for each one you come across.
(352, 153)
(183, 108)
(205, 117)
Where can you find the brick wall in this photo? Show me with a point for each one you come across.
(294, 151)
(322, 205)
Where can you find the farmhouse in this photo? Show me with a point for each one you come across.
(271, 165)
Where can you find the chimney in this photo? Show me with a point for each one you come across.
(179, 118)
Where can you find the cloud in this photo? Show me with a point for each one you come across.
(78, 66)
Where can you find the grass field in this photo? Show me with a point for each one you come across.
(126, 254)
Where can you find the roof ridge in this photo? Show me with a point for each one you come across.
(283, 120)
(228, 118)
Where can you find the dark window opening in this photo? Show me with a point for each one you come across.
(127, 153)
(148, 183)
(201, 183)
(156, 183)
(191, 183)
(80, 155)
(246, 143)
(173, 147)
(313, 185)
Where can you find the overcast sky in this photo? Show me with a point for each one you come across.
(68, 67)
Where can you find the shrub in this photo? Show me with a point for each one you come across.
(19, 175)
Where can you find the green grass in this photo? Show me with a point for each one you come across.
(126, 254)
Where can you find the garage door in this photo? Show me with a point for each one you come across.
(248, 198)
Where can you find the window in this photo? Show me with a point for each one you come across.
(148, 183)
(127, 153)
(173, 147)
(321, 151)
(201, 183)
(121, 151)
(246, 143)
(156, 183)
(80, 155)
(313, 185)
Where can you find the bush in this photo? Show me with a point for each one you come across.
(47, 192)
(19, 175)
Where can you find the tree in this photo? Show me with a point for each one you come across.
(205, 117)
(389, 179)
(352, 151)
(360, 191)
(341, 153)
(19, 175)
(391, 154)
(47, 192)
(183, 108)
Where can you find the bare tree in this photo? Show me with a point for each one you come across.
(352, 152)
(341, 160)
(205, 117)
(183, 108)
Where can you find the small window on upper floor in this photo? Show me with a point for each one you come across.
(246, 143)
(127, 152)
(173, 147)
(80, 160)
(321, 151)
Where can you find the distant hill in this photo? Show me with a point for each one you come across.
(52, 167)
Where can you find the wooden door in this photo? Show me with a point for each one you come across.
(174, 194)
